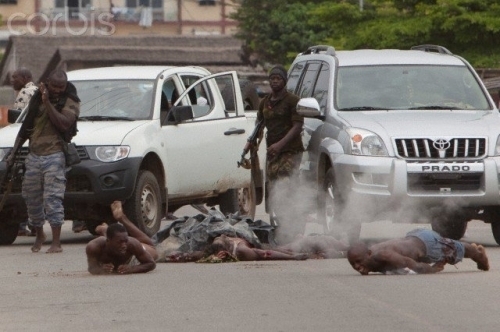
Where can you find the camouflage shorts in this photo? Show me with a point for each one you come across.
(284, 165)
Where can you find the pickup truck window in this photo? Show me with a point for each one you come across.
(396, 87)
(130, 99)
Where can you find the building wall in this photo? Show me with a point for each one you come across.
(175, 17)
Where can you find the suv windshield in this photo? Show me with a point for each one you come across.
(115, 99)
(401, 87)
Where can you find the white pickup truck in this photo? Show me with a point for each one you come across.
(155, 137)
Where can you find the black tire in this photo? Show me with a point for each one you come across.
(144, 208)
(329, 203)
(8, 233)
(452, 226)
(495, 229)
(247, 200)
(228, 202)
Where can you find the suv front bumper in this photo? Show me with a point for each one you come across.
(388, 181)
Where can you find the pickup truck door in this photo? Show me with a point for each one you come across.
(202, 153)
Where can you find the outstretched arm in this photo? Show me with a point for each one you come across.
(94, 265)
(394, 260)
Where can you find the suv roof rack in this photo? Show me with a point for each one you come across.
(431, 48)
(326, 49)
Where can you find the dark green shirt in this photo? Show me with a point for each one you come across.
(279, 116)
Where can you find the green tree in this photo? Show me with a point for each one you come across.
(275, 30)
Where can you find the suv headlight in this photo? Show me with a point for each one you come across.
(109, 154)
(365, 143)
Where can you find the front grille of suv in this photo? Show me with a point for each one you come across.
(416, 148)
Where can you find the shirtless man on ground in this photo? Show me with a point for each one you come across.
(414, 254)
(224, 246)
(122, 248)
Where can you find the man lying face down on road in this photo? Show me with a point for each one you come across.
(122, 248)
(414, 254)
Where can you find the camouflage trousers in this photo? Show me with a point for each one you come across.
(282, 185)
(43, 189)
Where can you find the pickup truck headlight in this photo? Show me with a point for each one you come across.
(109, 154)
(365, 143)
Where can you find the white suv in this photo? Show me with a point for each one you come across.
(405, 135)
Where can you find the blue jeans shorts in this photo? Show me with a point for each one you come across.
(439, 248)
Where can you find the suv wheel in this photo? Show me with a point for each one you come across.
(450, 225)
(330, 204)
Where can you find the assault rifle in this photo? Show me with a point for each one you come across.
(13, 172)
(254, 140)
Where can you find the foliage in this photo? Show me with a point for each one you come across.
(276, 30)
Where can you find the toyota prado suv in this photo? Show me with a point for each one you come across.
(402, 135)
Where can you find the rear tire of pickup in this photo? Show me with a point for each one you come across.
(144, 208)
(247, 200)
(228, 202)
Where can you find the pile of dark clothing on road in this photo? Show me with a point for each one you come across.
(189, 234)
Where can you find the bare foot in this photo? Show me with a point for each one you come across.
(482, 260)
(116, 208)
(39, 240)
(54, 248)
(101, 229)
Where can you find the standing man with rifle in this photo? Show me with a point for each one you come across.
(52, 113)
(278, 114)
(22, 83)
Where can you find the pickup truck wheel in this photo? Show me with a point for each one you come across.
(450, 226)
(247, 200)
(228, 202)
(144, 207)
(8, 233)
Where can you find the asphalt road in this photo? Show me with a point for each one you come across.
(54, 292)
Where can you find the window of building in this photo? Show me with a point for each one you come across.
(145, 3)
(206, 2)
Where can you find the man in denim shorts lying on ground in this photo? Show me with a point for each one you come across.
(414, 254)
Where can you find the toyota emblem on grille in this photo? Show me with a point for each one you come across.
(441, 144)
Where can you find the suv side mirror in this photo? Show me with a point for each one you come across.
(309, 108)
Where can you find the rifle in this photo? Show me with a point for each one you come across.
(13, 172)
(254, 140)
